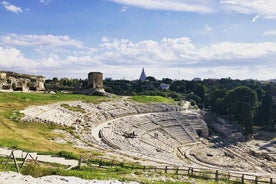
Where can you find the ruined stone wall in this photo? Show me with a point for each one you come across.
(21, 82)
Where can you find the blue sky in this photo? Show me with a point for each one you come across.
(178, 39)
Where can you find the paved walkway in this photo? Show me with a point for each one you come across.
(40, 158)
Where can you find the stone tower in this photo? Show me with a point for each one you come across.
(143, 76)
(95, 80)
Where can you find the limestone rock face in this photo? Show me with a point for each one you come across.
(153, 130)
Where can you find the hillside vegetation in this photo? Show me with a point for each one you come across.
(33, 136)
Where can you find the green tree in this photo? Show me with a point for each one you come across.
(241, 104)
(150, 78)
(215, 101)
(266, 114)
(199, 90)
(55, 80)
(178, 86)
(193, 97)
(166, 80)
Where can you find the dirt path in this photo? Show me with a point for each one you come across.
(40, 158)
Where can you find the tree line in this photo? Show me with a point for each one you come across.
(247, 102)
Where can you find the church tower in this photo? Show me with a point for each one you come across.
(143, 76)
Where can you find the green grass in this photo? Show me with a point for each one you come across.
(73, 108)
(69, 155)
(39, 98)
(114, 173)
(34, 136)
(117, 172)
(150, 99)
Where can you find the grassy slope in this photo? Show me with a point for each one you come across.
(148, 99)
(32, 136)
(37, 136)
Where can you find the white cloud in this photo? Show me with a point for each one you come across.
(124, 8)
(168, 57)
(270, 33)
(147, 52)
(12, 57)
(259, 8)
(255, 18)
(181, 51)
(105, 39)
(40, 40)
(170, 5)
(231, 51)
(207, 28)
(45, 2)
(11, 7)
(263, 8)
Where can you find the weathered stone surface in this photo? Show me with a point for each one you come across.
(171, 125)
(161, 133)
(95, 80)
(94, 84)
(14, 178)
(21, 82)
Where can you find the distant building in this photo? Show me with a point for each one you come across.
(108, 79)
(165, 86)
(143, 76)
(196, 79)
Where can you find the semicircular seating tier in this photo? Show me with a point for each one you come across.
(155, 130)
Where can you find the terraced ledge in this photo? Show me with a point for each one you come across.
(114, 121)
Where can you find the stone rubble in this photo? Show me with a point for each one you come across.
(15, 178)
